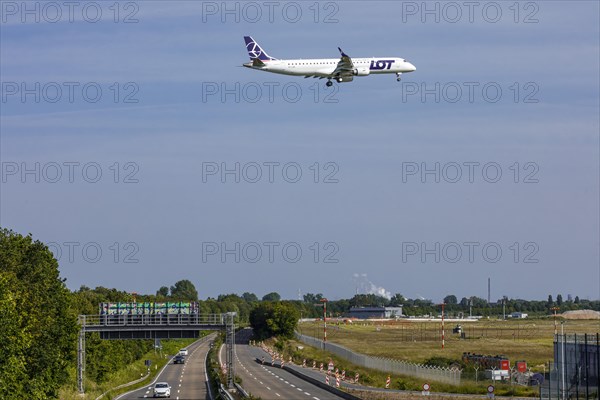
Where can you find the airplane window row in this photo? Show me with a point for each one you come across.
(321, 63)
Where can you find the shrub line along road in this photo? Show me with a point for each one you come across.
(187, 380)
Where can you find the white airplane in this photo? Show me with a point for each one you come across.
(342, 70)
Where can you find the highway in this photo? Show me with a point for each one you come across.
(187, 380)
(271, 383)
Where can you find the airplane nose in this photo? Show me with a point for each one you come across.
(411, 67)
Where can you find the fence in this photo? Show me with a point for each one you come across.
(575, 373)
(446, 375)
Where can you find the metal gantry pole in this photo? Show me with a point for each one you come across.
(229, 348)
(81, 354)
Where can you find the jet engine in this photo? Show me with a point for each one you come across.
(361, 71)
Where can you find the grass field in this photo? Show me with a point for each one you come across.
(529, 340)
(416, 341)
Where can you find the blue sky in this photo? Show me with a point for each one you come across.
(160, 212)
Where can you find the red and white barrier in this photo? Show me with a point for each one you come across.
(387, 382)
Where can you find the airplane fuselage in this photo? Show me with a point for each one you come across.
(342, 69)
(325, 67)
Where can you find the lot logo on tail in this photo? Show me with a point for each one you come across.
(254, 50)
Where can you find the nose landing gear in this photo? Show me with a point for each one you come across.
(398, 76)
(329, 83)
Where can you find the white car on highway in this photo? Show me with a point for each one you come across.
(183, 352)
(162, 389)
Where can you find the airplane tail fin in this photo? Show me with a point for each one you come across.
(255, 51)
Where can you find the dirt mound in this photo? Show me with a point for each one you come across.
(581, 314)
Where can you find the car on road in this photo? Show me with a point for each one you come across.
(179, 359)
(162, 389)
(183, 352)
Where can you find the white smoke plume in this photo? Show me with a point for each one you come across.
(364, 285)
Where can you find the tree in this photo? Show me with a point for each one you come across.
(451, 299)
(550, 301)
(312, 298)
(273, 296)
(184, 290)
(559, 300)
(163, 292)
(249, 297)
(397, 300)
(367, 300)
(274, 319)
(576, 300)
(37, 328)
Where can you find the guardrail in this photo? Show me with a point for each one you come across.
(224, 393)
(446, 375)
(241, 390)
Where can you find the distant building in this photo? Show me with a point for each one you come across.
(518, 315)
(375, 312)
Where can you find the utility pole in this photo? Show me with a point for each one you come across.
(443, 333)
(555, 328)
(324, 301)
(471, 307)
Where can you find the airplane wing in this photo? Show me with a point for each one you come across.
(345, 66)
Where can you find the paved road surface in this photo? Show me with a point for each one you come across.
(272, 383)
(187, 380)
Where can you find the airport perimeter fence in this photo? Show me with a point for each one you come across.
(575, 372)
(439, 374)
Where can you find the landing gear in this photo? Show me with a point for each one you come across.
(398, 76)
(329, 83)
